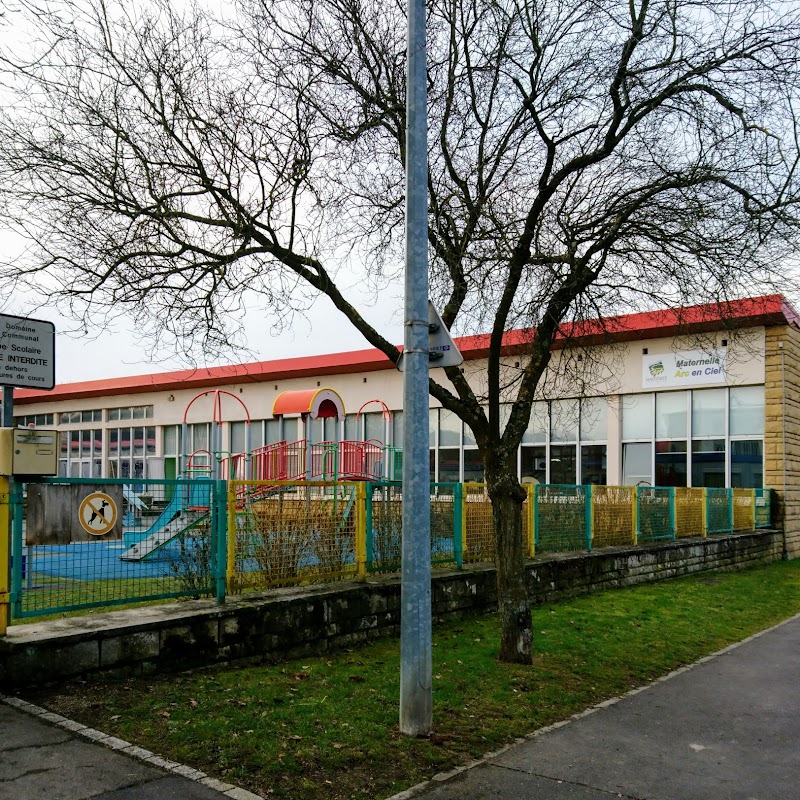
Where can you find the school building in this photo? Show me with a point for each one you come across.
(702, 396)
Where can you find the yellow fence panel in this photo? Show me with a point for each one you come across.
(689, 512)
(478, 525)
(281, 533)
(744, 509)
(613, 515)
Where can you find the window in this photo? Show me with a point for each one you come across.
(563, 421)
(536, 432)
(81, 453)
(76, 417)
(708, 462)
(130, 412)
(449, 467)
(374, 426)
(449, 429)
(272, 431)
(473, 466)
(708, 413)
(671, 463)
(672, 415)
(747, 411)
(397, 428)
(129, 450)
(39, 420)
(637, 416)
(747, 464)
(636, 464)
(533, 464)
(593, 464)
(563, 466)
(594, 419)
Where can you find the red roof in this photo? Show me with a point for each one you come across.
(750, 312)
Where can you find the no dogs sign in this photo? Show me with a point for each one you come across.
(98, 513)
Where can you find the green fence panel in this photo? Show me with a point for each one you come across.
(85, 543)
(655, 513)
(763, 512)
(719, 510)
(384, 516)
(561, 517)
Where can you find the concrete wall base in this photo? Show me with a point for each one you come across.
(297, 622)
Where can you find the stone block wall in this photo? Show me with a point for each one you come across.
(305, 621)
(782, 416)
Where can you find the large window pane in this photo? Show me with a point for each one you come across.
(747, 464)
(397, 428)
(449, 465)
(708, 413)
(473, 466)
(708, 463)
(594, 420)
(636, 464)
(171, 440)
(536, 431)
(138, 441)
(238, 437)
(374, 427)
(352, 428)
(671, 417)
(449, 429)
(747, 411)
(272, 429)
(593, 464)
(671, 463)
(563, 464)
(150, 440)
(534, 464)
(637, 416)
(564, 421)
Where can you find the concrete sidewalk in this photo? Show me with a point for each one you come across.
(44, 756)
(726, 728)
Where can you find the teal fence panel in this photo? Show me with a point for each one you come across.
(656, 513)
(719, 511)
(561, 517)
(88, 543)
(384, 518)
(763, 514)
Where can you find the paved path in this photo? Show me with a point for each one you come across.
(727, 728)
(46, 757)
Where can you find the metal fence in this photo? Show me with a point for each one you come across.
(85, 543)
(80, 544)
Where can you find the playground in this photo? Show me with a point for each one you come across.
(302, 511)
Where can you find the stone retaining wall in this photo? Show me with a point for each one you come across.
(299, 622)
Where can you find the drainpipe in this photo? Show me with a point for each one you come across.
(785, 553)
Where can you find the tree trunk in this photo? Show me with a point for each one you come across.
(516, 640)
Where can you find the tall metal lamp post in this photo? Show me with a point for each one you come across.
(416, 704)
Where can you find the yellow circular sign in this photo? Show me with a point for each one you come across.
(98, 513)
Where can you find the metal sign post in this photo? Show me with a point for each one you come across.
(27, 359)
(416, 703)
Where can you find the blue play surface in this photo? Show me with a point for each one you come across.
(95, 561)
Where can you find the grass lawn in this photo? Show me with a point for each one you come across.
(327, 727)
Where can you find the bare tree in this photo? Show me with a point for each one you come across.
(586, 159)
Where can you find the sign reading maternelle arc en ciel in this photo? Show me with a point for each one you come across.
(27, 352)
(688, 368)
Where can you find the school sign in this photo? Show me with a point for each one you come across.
(27, 352)
(690, 368)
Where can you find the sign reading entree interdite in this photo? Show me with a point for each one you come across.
(27, 352)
